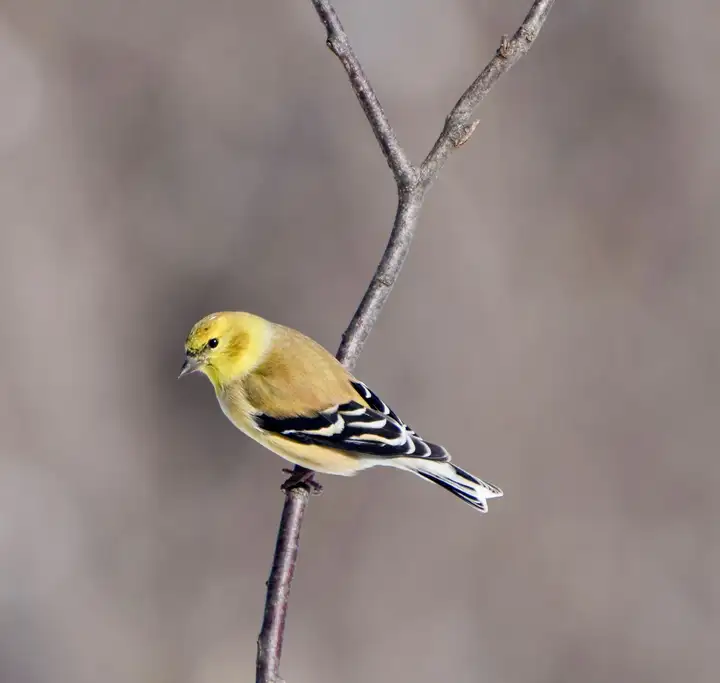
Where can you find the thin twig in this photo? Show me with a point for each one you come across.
(458, 127)
(337, 41)
(412, 183)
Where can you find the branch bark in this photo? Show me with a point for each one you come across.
(412, 184)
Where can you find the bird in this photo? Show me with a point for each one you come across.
(291, 395)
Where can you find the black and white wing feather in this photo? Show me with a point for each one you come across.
(372, 429)
(376, 403)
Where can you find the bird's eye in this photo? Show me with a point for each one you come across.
(213, 343)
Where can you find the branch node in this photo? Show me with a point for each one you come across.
(527, 34)
(504, 51)
(465, 133)
(336, 45)
(386, 280)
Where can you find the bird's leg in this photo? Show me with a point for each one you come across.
(304, 478)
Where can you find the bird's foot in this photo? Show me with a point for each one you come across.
(301, 478)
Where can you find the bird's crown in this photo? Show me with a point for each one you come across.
(210, 327)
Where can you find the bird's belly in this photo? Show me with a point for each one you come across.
(317, 458)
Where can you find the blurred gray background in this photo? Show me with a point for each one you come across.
(557, 327)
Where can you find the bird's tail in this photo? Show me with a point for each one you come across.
(464, 485)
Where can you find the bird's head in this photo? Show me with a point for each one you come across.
(225, 346)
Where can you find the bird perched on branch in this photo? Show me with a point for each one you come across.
(292, 396)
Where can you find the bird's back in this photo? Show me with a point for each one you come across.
(297, 376)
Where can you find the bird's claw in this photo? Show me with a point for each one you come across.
(303, 478)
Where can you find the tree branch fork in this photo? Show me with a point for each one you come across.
(412, 184)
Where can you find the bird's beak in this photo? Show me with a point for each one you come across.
(190, 365)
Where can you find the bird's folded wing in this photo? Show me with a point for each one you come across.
(355, 428)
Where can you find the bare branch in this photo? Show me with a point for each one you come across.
(269, 645)
(337, 41)
(412, 184)
(385, 277)
(458, 127)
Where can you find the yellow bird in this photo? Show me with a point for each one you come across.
(292, 396)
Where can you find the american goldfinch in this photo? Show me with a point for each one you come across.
(292, 396)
